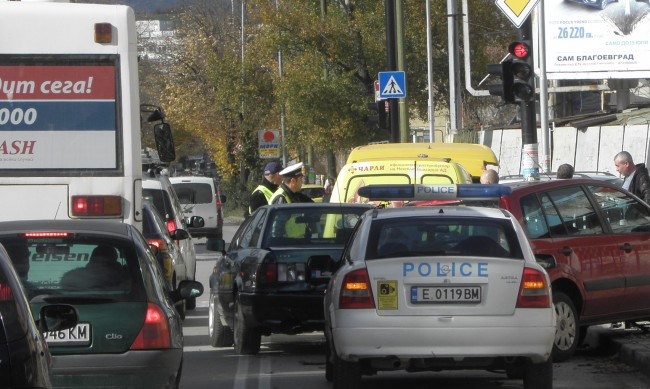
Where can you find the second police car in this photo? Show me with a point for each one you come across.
(437, 288)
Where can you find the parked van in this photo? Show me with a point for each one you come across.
(394, 171)
(473, 157)
(200, 196)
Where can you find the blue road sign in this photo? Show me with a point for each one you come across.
(392, 85)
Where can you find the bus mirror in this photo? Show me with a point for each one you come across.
(164, 142)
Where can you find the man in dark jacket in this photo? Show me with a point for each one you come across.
(271, 179)
(637, 180)
(289, 190)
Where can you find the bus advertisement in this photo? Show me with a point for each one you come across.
(70, 120)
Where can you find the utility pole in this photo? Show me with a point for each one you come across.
(391, 64)
(530, 154)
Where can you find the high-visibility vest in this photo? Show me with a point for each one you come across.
(278, 193)
(266, 192)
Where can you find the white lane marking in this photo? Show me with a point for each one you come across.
(242, 372)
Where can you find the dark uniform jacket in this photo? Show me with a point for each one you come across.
(289, 197)
(640, 184)
(257, 197)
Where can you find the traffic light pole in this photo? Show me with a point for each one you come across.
(529, 155)
(391, 63)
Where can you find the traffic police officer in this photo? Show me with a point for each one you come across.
(270, 182)
(289, 190)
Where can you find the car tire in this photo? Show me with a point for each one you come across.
(539, 375)
(567, 328)
(347, 375)
(247, 340)
(220, 335)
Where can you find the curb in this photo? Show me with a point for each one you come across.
(632, 346)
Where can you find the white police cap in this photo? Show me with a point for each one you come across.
(294, 171)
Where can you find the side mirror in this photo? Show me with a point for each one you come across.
(164, 142)
(57, 317)
(180, 234)
(187, 289)
(197, 222)
(213, 244)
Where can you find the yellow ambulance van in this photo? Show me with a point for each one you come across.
(356, 175)
(473, 157)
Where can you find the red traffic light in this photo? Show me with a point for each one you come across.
(520, 50)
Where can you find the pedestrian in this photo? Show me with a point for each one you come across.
(636, 176)
(565, 171)
(289, 190)
(329, 186)
(489, 176)
(271, 180)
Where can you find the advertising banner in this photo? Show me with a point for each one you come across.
(599, 39)
(58, 117)
(269, 144)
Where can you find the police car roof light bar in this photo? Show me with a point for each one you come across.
(434, 192)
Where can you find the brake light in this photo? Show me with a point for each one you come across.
(155, 332)
(5, 293)
(171, 226)
(268, 272)
(103, 33)
(85, 206)
(45, 234)
(534, 291)
(356, 292)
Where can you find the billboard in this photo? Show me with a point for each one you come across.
(269, 144)
(597, 39)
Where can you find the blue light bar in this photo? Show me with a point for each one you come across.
(434, 192)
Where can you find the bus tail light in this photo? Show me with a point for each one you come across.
(534, 291)
(155, 331)
(356, 292)
(92, 206)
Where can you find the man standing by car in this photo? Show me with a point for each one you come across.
(271, 179)
(636, 176)
(289, 190)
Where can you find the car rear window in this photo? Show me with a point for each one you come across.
(161, 201)
(193, 193)
(78, 266)
(480, 237)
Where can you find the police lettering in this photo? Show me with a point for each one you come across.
(436, 189)
(453, 269)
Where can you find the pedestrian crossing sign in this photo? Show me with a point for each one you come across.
(392, 85)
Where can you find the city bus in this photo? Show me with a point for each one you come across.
(70, 117)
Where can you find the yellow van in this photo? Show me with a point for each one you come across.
(394, 171)
(473, 157)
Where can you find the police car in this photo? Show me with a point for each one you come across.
(433, 288)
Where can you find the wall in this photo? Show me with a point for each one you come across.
(590, 149)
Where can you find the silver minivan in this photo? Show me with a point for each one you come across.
(200, 196)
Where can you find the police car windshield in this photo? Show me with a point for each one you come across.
(440, 236)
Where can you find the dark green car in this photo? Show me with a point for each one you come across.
(129, 332)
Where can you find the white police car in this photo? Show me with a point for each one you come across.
(433, 288)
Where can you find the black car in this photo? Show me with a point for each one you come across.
(272, 277)
(25, 361)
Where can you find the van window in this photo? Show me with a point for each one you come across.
(194, 193)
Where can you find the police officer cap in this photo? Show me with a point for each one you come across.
(272, 168)
(294, 171)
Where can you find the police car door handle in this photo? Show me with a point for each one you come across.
(626, 247)
(565, 250)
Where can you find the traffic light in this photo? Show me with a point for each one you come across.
(381, 107)
(523, 80)
(504, 89)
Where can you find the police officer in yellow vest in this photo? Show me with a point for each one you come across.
(271, 180)
(289, 190)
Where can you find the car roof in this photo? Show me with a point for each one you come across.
(316, 205)
(93, 226)
(178, 179)
(541, 185)
(600, 176)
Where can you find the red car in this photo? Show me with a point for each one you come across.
(593, 238)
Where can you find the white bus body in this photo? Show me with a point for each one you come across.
(69, 112)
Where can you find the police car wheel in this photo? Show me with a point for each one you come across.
(247, 340)
(567, 328)
(329, 367)
(539, 375)
(347, 375)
